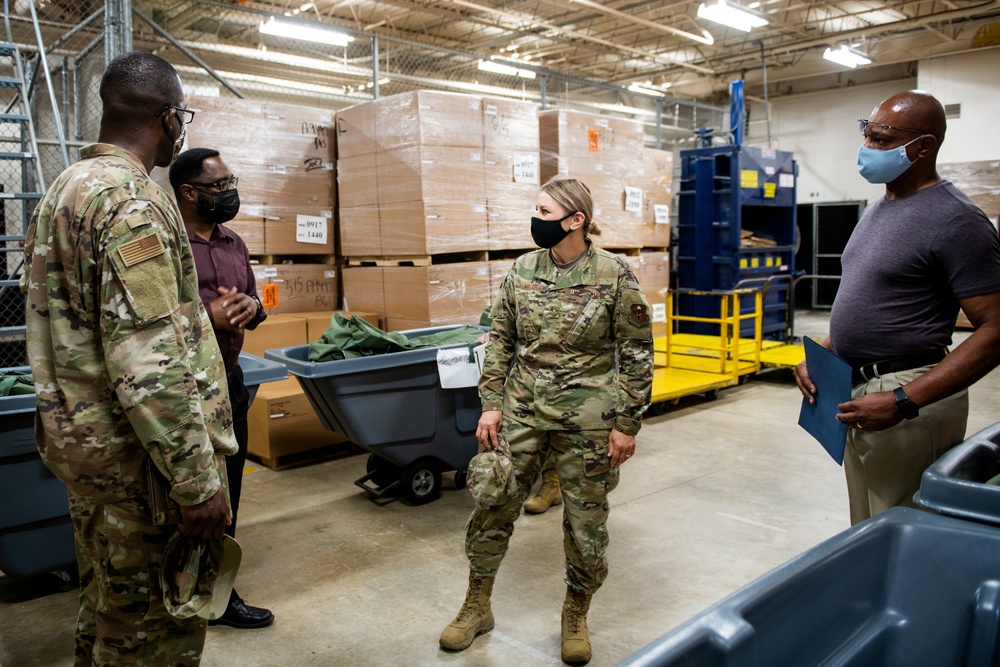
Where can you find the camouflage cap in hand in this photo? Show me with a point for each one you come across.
(491, 477)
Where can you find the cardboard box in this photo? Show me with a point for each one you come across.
(355, 131)
(511, 190)
(360, 232)
(364, 288)
(299, 234)
(252, 233)
(428, 118)
(431, 173)
(298, 288)
(578, 134)
(235, 128)
(282, 422)
(510, 125)
(276, 331)
(654, 279)
(432, 227)
(442, 293)
(357, 182)
(318, 323)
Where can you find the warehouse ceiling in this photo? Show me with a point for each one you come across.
(666, 44)
(662, 45)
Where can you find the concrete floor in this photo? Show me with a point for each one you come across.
(717, 494)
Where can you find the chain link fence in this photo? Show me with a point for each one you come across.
(219, 50)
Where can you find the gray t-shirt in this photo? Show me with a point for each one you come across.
(905, 267)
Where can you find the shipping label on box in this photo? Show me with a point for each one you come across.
(311, 229)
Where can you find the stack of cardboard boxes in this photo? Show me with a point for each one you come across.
(630, 184)
(283, 156)
(427, 175)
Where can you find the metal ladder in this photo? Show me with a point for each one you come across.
(22, 181)
(21, 186)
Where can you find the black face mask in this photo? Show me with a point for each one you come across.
(221, 207)
(548, 233)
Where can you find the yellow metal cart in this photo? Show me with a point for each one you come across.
(688, 364)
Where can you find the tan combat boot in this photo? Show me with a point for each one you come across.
(548, 495)
(475, 617)
(575, 636)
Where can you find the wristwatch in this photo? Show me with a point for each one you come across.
(260, 306)
(907, 409)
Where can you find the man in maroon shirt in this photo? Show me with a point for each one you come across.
(207, 197)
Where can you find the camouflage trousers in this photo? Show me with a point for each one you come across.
(122, 618)
(585, 502)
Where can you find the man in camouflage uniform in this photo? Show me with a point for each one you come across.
(576, 326)
(133, 410)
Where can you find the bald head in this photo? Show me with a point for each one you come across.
(913, 109)
(136, 86)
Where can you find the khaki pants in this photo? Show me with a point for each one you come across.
(884, 468)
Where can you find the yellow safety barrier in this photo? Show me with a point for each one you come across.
(695, 363)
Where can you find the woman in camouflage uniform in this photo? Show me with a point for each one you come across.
(568, 373)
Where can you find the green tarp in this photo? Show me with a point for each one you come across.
(353, 338)
(13, 383)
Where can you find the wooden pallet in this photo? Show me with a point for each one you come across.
(266, 260)
(409, 260)
(328, 453)
(416, 260)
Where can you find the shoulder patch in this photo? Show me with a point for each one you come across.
(638, 314)
(141, 249)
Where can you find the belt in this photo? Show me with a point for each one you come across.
(880, 368)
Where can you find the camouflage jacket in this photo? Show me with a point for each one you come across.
(126, 366)
(563, 333)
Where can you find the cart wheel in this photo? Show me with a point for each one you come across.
(421, 482)
(461, 478)
(385, 472)
(711, 395)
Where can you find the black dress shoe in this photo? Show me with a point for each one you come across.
(241, 615)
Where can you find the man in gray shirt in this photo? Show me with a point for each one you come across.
(916, 256)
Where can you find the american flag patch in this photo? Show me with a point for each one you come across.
(142, 249)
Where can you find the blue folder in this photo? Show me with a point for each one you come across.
(832, 377)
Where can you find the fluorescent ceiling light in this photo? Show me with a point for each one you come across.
(304, 32)
(733, 16)
(497, 68)
(846, 57)
(639, 88)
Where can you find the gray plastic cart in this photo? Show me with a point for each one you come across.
(904, 588)
(393, 406)
(954, 484)
(36, 533)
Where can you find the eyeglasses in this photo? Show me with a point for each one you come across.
(185, 115)
(220, 185)
(863, 124)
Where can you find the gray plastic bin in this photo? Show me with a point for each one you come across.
(393, 406)
(954, 484)
(257, 371)
(904, 588)
(36, 533)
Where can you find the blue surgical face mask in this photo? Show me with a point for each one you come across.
(883, 166)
